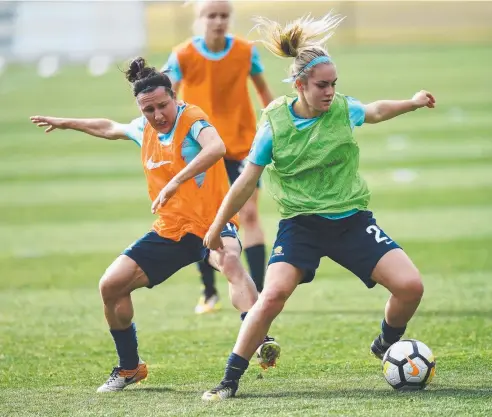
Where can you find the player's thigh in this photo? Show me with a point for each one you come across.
(297, 244)
(122, 277)
(160, 258)
(358, 244)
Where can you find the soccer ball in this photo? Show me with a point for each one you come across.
(409, 365)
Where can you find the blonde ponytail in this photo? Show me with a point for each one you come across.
(303, 39)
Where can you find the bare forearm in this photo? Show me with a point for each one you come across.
(235, 199)
(387, 109)
(102, 128)
(203, 161)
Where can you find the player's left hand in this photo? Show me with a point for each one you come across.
(424, 99)
(212, 239)
(166, 193)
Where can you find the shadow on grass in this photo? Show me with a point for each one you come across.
(371, 394)
(149, 389)
(163, 390)
(437, 313)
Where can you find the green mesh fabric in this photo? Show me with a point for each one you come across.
(314, 170)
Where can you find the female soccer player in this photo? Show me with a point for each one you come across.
(312, 162)
(181, 153)
(212, 71)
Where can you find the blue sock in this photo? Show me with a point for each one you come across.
(126, 346)
(391, 334)
(243, 315)
(256, 260)
(236, 366)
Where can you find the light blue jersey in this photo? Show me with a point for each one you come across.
(261, 152)
(174, 71)
(190, 147)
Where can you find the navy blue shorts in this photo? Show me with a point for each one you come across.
(160, 258)
(356, 243)
(234, 169)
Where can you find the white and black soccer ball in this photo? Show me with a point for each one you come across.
(409, 365)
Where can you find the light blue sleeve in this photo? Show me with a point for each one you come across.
(134, 130)
(172, 68)
(261, 152)
(256, 65)
(357, 113)
(197, 127)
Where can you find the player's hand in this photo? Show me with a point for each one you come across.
(51, 123)
(212, 239)
(424, 99)
(166, 193)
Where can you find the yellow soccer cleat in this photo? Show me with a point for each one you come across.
(226, 389)
(268, 353)
(208, 305)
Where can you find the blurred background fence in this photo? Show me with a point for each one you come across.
(367, 21)
(77, 30)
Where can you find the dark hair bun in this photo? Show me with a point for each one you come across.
(145, 79)
(138, 70)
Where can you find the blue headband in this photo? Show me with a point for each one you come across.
(315, 61)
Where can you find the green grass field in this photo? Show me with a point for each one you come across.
(70, 203)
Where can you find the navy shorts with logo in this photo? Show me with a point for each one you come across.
(160, 258)
(234, 169)
(356, 243)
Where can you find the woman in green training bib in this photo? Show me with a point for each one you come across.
(307, 147)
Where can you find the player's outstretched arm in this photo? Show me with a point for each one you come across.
(382, 110)
(102, 128)
(235, 199)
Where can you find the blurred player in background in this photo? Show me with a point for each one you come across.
(311, 157)
(212, 70)
(181, 153)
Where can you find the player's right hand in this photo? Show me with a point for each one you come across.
(212, 239)
(424, 99)
(51, 123)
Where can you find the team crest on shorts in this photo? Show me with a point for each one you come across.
(279, 250)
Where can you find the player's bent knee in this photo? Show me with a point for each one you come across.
(112, 287)
(272, 302)
(416, 287)
(106, 288)
(412, 288)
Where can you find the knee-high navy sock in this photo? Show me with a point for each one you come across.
(126, 346)
(391, 334)
(208, 279)
(256, 260)
(236, 366)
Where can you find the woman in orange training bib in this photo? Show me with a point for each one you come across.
(212, 71)
(181, 155)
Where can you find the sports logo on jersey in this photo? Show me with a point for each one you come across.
(153, 165)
